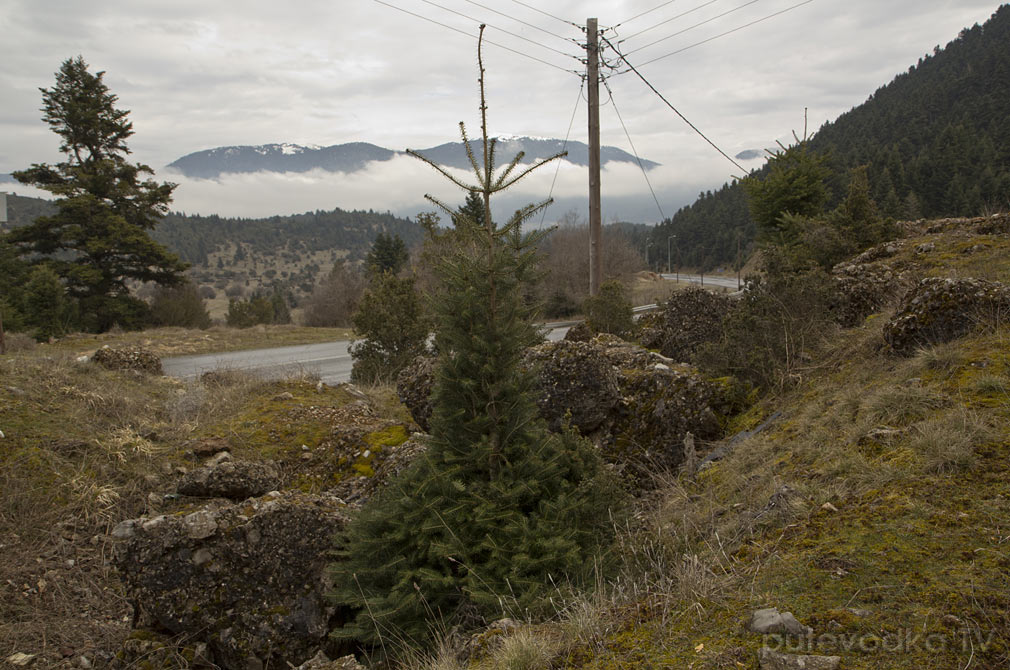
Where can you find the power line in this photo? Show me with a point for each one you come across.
(507, 32)
(564, 147)
(463, 32)
(525, 23)
(680, 32)
(728, 32)
(672, 18)
(648, 11)
(556, 18)
(662, 217)
(677, 111)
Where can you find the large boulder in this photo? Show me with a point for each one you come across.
(943, 309)
(236, 480)
(687, 320)
(247, 579)
(575, 383)
(137, 359)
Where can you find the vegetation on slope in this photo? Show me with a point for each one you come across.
(935, 142)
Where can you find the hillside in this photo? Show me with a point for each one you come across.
(936, 140)
(869, 499)
(292, 251)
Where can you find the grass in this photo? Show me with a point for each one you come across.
(186, 342)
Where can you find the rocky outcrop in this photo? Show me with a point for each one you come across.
(246, 579)
(413, 386)
(635, 404)
(687, 320)
(575, 384)
(236, 480)
(942, 309)
(128, 358)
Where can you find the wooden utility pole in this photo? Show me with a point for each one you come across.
(595, 217)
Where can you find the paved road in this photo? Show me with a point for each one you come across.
(330, 361)
(709, 280)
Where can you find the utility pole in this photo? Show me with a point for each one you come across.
(595, 217)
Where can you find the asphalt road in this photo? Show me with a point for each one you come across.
(330, 361)
(707, 280)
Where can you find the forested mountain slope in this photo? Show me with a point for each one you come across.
(936, 141)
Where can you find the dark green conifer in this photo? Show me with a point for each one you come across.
(498, 513)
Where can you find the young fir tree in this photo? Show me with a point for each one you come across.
(97, 241)
(498, 511)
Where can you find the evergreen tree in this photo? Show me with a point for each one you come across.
(795, 184)
(393, 327)
(498, 509)
(388, 254)
(98, 238)
(46, 306)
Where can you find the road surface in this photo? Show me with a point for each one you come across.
(330, 361)
(709, 280)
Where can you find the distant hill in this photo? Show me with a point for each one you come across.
(212, 163)
(936, 141)
(293, 251)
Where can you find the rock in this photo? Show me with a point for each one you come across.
(124, 530)
(252, 588)
(286, 395)
(236, 480)
(413, 386)
(218, 458)
(925, 247)
(770, 620)
(20, 658)
(580, 332)
(322, 662)
(861, 289)
(943, 309)
(687, 320)
(209, 446)
(128, 358)
(773, 660)
(575, 383)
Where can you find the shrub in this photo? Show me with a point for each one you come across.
(611, 311)
(179, 306)
(393, 328)
(334, 301)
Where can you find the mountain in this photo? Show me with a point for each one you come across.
(212, 163)
(936, 143)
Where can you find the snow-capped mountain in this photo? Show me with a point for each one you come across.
(212, 163)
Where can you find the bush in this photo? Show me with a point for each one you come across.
(335, 299)
(765, 339)
(611, 311)
(393, 328)
(259, 309)
(179, 306)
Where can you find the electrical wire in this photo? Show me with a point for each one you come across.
(648, 11)
(564, 147)
(662, 217)
(672, 18)
(525, 23)
(507, 32)
(670, 105)
(556, 18)
(463, 32)
(697, 25)
(728, 32)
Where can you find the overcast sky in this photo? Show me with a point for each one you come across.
(198, 75)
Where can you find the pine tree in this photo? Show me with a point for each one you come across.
(98, 239)
(498, 510)
(388, 254)
(794, 184)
